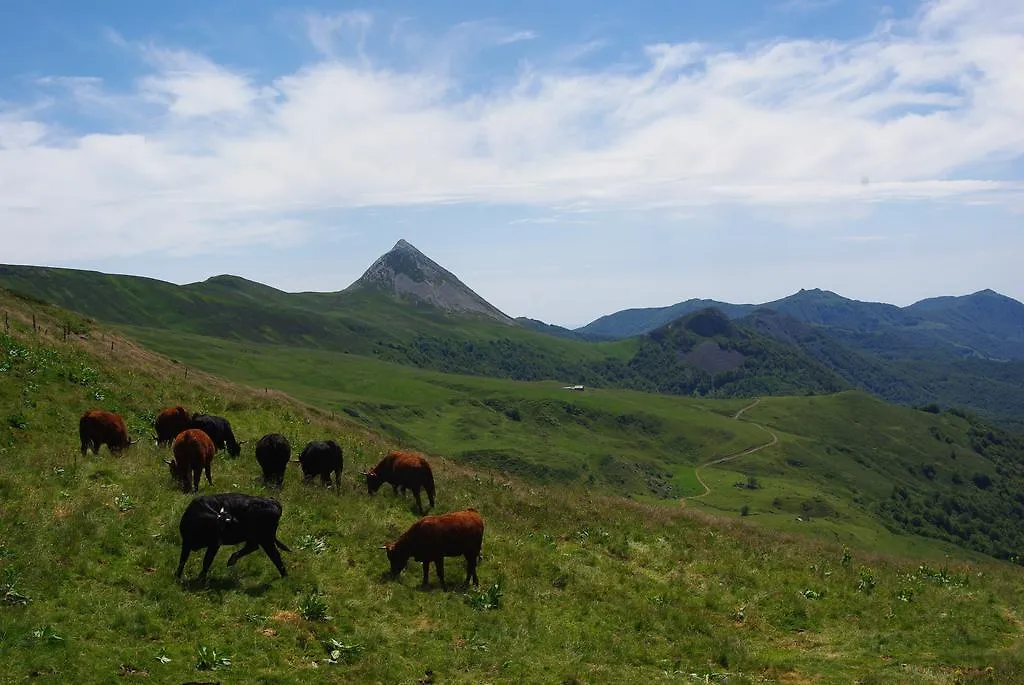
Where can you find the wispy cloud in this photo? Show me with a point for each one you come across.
(202, 154)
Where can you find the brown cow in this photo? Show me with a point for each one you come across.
(97, 428)
(193, 451)
(169, 423)
(432, 538)
(405, 470)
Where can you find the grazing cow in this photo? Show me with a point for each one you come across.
(321, 458)
(230, 519)
(169, 423)
(405, 470)
(273, 453)
(193, 452)
(432, 538)
(219, 430)
(97, 428)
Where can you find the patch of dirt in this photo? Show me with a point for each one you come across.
(422, 623)
(709, 357)
(286, 617)
(268, 632)
(61, 512)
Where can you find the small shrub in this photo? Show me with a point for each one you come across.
(207, 659)
(312, 543)
(46, 634)
(486, 599)
(745, 510)
(340, 653)
(866, 584)
(313, 607)
(847, 557)
(124, 502)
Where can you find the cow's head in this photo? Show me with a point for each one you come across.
(178, 474)
(234, 448)
(397, 560)
(373, 481)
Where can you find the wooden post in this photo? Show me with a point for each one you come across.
(7, 324)
(33, 323)
(111, 345)
(186, 372)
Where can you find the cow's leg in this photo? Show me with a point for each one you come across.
(185, 553)
(270, 548)
(249, 548)
(85, 447)
(419, 502)
(471, 569)
(440, 572)
(195, 479)
(211, 552)
(337, 481)
(209, 476)
(394, 489)
(426, 573)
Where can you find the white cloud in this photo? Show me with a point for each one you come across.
(198, 155)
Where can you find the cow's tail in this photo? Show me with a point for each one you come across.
(282, 545)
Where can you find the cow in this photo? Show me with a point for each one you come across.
(432, 538)
(169, 423)
(230, 519)
(405, 470)
(321, 458)
(193, 452)
(273, 452)
(97, 428)
(219, 430)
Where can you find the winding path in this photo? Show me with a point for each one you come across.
(749, 450)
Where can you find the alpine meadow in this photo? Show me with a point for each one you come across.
(723, 495)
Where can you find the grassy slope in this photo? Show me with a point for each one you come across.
(594, 589)
(838, 458)
(629, 441)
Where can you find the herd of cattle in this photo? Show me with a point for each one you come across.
(210, 521)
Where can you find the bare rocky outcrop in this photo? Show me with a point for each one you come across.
(408, 273)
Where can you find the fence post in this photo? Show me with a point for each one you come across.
(111, 345)
(33, 323)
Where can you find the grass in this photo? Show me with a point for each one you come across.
(576, 586)
(837, 459)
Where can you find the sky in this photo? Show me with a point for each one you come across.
(565, 160)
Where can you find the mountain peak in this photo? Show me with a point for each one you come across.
(406, 272)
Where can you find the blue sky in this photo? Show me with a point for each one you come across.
(564, 159)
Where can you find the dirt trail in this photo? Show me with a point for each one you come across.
(749, 450)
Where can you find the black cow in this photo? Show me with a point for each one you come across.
(272, 453)
(230, 519)
(219, 430)
(321, 458)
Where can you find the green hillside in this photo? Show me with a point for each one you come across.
(367, 321)
(836, 465)
(576, 586)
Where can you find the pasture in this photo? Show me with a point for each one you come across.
(577, 585)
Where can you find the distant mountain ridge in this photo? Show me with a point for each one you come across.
(409, 310)
(984, 324)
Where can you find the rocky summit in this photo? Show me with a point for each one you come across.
(408, 273)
